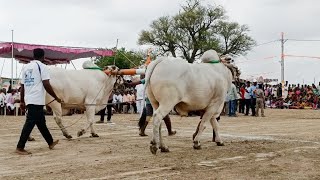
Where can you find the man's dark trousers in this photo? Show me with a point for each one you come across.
(109, 111)
(35, 116)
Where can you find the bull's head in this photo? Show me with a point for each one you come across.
(234, 69)
(119, 84)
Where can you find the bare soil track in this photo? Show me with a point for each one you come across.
(283, 145)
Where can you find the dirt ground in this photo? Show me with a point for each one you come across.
(283, 145)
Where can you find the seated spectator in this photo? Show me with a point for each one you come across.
(10, 100)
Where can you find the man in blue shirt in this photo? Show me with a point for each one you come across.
(253, 98)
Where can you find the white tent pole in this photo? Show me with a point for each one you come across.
(114, 59)
(73, 65)
(4, 60)
(12, 59)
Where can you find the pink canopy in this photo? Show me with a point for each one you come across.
(53, 54)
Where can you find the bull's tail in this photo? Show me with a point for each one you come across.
(149, 72)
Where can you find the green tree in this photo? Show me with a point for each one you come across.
(123, 59)
(233, 38)
(195, 29)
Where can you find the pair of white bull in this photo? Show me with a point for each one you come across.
(170, 83)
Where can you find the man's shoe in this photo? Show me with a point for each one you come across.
(51, 146)
(31, 139)
(172, 133)
(22, 151)
(142, 134)
(99, 122)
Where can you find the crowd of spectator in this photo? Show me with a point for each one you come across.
(250, 97)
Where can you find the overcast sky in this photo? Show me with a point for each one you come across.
(98, 23)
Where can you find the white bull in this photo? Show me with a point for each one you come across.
(174, 83)
(79, 89)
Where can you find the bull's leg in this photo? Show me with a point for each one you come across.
(163, 147)
(90, 111)
(200, 128)
(157, 141)
(212, 111)
(57, 114)
(215, 127)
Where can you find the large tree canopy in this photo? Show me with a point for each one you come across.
(195, 29)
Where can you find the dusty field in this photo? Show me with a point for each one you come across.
(284, 145)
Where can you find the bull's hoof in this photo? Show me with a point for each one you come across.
(164, 149)
(94, 135)
(220, 143)
(80, 133)
(153, 149)
(68, 136)
(196, 145)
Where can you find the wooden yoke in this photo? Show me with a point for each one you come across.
(125, 72)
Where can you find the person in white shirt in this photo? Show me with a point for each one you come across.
(132, 100)
(34, 84)
(117, 99)
(247, 97)
(139, 97)
(10, 100)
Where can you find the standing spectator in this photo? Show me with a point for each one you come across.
(260, 100)
(139, 97)
(253, 98)
(34, 84)
(2, 102)
(242, 99)
(247, 98)
(125, 102)
(232, 96)
(132, 101)
(279, 92)
(117, 99)
(109, 111)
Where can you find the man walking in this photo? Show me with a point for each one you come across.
(34, 83)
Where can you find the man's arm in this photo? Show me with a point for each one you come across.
(134, 83)
(22, 93)
(48, 88)
(22, 103)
